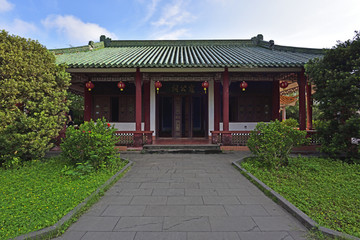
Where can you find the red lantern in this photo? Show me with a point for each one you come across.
(158, 85)
(243, 85)
(89, 85)
(121, 85)
(284, 84)
(205, 85)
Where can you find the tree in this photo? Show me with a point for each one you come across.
(337, 80)
(32, 99)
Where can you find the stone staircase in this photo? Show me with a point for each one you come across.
(196, 148)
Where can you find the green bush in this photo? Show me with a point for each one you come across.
(272, 142)
(291, 122)
(32, 99)
(90, 146)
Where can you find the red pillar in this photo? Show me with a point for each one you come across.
(276, 101)
(226, 137)
(87, 104)
(138, 136)
(216, 106)
(226, 100)
(309, 102)
(302, 107)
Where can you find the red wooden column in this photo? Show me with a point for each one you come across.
(302, 107)
(309, 102)
(147, 110)
(276, 101)
(138, 136)
(226, 137)
(216, 106)
(87, 104)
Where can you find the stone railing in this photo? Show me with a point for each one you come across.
(134, 138)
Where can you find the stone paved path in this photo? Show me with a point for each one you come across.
(185, 197)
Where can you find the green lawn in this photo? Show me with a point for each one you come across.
(38, 195)
(326, 190)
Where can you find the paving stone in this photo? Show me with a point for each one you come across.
(225, 179)
(184, 185)
(164, 210)
(127, 185)
(139, 179)
(155, 185)
(213, 185)
(254, 200)
(201, 192)
(299, 235)
(265, 236)
(160, 236)
(232, 192)
(187, 224)
(186, 200)
(212, 210)
(232, 224)
(275, 210)
(124, 210)
(109, 236)
(135, 224)
(246, 210)
(121, 200)
(170, 179)
(90, 223)
(213, 236)
(148, 200)
(220, 200)
(198, 179)
(168, 192)
(277, 224)
(137, 192)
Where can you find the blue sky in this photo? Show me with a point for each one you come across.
(64, 23)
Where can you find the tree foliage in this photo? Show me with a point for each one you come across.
(32, 98)
(337, 80)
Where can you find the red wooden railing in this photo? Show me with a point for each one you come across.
(134, 138)
(240, 138)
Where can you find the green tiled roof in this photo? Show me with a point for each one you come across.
(253, 53)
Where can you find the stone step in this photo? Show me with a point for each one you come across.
(208, 148)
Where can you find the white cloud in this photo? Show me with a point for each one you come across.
(6, 6)
(151, 9)
(173, 35)
(21, 28)
(77, 31)
(174, 14)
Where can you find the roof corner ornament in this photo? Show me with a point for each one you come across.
(91, 45)
(271, 44)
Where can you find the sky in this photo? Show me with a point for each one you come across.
(70, 23)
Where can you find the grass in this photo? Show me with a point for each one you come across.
(328, 191)
(39, 194)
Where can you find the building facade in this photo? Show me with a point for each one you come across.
(218, 89)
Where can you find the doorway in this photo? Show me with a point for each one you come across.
(182, 116)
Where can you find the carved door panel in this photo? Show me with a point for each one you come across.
(177, 116)
(101, 107)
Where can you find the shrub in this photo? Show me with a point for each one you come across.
(291, 122)
(32, 99)
(90, 146)
(272, 142)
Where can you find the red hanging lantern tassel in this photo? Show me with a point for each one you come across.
(89, 85)
(243, 85)
(284, 84)
(121, 85)
(205, 85)
(158, 85)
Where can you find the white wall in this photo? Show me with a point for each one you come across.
(126, 126)
(240, 126)
(211, 107)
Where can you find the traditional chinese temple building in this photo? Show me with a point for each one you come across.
(191, 89)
